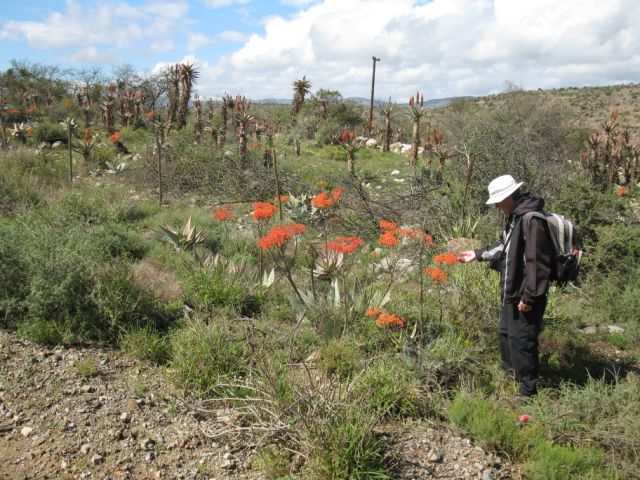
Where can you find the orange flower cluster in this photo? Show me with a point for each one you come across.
(87, 136)
(347, 136)
(437, 274)
(323, 200)
(387, 225)
(66, 105)
(221, 214)
(345, 244)
(13, 111)
(280, 234)
(391, 233)
(418, 100)
(389, 320)
(283, 199)
(32, 110)
(115, 137)
(446, 258)
(388, 239)
(148, 114)
(372, 312)
(622, 191)
(263, 210)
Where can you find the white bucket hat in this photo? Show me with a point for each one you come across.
(501, 187)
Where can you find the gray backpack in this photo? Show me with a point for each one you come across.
(566, 245)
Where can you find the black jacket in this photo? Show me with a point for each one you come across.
(524, 258)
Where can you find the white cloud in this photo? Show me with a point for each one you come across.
(114, 24)
(196, 41)
(298, 3)
(93, 55)
(232, 36)
(444, 47)
(224, 3)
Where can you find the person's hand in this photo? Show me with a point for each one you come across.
(467, 256)
(524, 307)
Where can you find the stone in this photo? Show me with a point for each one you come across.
(26, 431)
(97, 459)
(84, 448)
(589, 330)
(433, 456)
(147, 444)
(87, 389)
(615, 329)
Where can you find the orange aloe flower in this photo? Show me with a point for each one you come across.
(263, 210)
(32, 110)
(388, 239)
(446, 258)
(387, 225)
(66, 105)
(437, 274)
(280, 234)
(345, 244)
(323, 200)
(87, 135)
(282, 198)
(148, 114)
(372, 312)
(115, 137)
(389, 320)
(622, 191)
(221, 214)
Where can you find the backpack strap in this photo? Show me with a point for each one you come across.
(557, 237)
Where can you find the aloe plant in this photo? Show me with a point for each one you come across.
(187, 239)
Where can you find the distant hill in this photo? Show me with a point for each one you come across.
(590, 105)
(434, 103)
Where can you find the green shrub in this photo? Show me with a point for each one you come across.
(214, 292)
(390, 390)
(273, 461)
(119, 241)
(66, 275)
(601, 413)
(49, 131)
(13, 277)
(86, 367)
(556, 462)
(345, 446)
(145, 343)
(103, 153)
(341, 357)
(118, 301)
(26, 180)
(486, 422)
(203, 355)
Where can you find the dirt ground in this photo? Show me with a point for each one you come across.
(94, 413)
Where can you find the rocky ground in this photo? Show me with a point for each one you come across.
(76, 413)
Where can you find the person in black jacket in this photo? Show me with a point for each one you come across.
(524, 259)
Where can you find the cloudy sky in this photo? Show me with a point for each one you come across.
(257, 48)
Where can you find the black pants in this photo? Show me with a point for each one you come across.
(519, 343)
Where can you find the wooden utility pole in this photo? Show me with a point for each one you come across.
(373, 83)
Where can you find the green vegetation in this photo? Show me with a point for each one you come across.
(321, 325)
